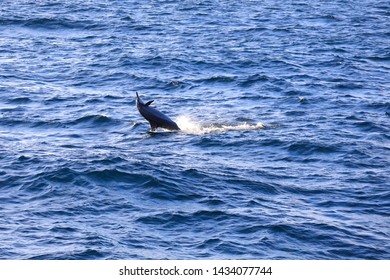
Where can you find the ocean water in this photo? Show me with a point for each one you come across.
(284, 151)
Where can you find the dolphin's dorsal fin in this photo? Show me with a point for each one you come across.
(149, 102)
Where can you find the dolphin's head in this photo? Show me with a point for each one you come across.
(138, 100)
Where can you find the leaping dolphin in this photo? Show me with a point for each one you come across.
(154, 117)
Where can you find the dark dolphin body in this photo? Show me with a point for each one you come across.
(155, 117)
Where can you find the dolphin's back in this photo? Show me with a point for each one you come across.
(155, 117)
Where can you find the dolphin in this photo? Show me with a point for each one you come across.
(154, 117)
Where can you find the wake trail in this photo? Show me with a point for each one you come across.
(191, 126)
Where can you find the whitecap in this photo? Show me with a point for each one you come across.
(191, 126)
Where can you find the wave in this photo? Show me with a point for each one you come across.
(20, 100)
(29, 123)
(50, 23)
(94, 120)
(191, 126)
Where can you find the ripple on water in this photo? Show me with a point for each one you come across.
(283, 150)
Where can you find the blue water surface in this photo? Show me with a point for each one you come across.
(284, 151)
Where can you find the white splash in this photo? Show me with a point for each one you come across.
(189, 125)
